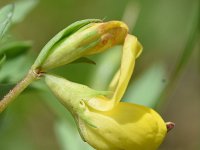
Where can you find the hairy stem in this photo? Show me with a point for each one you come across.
(29, 78)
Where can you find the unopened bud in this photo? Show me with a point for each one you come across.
(170, 126)
(86, 38)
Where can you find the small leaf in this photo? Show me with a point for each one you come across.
(148, 87)
(6, 14)
(22, 8)
(15, 48)
(84, 60)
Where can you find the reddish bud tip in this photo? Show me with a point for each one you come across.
(170, 126)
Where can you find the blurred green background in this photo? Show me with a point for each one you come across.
(36, 121)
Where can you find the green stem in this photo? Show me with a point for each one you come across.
(12, 94)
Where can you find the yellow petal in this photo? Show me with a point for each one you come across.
(100, 103)
(112, 33)
(126, 127)
(131, 50)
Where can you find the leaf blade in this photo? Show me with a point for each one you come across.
(22, 8)
(6, 14)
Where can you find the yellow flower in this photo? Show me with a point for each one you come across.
(125, 127)
(118, 125)
(103, 121)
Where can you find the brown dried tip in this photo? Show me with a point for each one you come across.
(170, 126)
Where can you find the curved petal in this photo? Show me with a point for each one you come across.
(127, 126)
(131, 50)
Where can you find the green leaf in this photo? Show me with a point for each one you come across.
(15, 48)
(22, 8)
(147, 88)
(62, 34)
(6, 14)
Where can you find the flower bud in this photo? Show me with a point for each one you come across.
(80, 39)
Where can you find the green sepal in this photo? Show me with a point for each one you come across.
(58, 37)
(70, 56)
(72, 95)
(68, 91)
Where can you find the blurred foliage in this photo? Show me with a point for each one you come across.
(146, 89)
(22, 8)
(5, 18)
(165, 28)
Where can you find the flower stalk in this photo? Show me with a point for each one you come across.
(12, 94)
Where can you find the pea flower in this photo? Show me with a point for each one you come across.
(103, 121)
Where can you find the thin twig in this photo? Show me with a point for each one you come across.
(12, 94)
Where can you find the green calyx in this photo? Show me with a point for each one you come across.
(72, 95)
